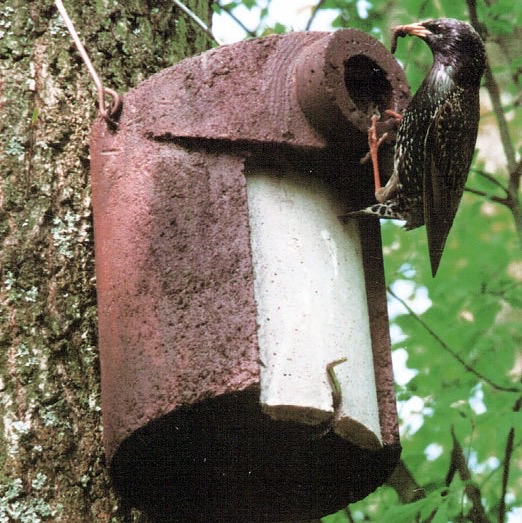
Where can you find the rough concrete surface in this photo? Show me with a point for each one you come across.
(185, 434)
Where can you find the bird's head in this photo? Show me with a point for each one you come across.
(455, 45)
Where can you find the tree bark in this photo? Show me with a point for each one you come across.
(52, 465)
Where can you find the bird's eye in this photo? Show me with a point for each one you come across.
(435, 28)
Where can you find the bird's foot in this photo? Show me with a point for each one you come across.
(387, 210)
(393, 114)
(372, 133)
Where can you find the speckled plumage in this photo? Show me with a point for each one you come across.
(437, 134)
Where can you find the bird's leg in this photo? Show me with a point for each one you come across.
(382, 194)
(374, 143)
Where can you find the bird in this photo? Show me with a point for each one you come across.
(437, 132)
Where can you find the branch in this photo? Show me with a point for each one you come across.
(448, 349)
(250, 33)
(494, 93)
(403, 482)
(459, 464)
(491, 179)
(507, 463)
(505, 475)
(348, 514)
(312, 16)
(514, 169)
(497, 199)
(492, 197)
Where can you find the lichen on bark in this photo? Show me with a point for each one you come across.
(52, 466)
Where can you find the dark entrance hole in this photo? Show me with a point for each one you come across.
(367, 84)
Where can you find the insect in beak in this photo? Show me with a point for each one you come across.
(416, 29)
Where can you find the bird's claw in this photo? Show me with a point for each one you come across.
(365, 158)
(373, 141)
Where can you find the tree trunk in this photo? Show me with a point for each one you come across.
(52, 465)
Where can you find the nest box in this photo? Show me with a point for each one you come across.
(228, 282)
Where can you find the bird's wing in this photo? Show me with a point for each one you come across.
(449, 147)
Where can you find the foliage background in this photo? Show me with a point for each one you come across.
(458, 338)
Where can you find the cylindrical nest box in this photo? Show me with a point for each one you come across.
(245, 358)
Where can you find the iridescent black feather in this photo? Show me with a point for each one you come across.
(437, 134)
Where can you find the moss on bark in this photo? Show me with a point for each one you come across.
(51, 456)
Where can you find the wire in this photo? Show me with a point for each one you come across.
(197, 19)
(116, 103)
(107, 112)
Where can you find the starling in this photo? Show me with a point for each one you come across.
(437, 134)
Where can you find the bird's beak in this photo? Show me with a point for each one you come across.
(416, 29)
